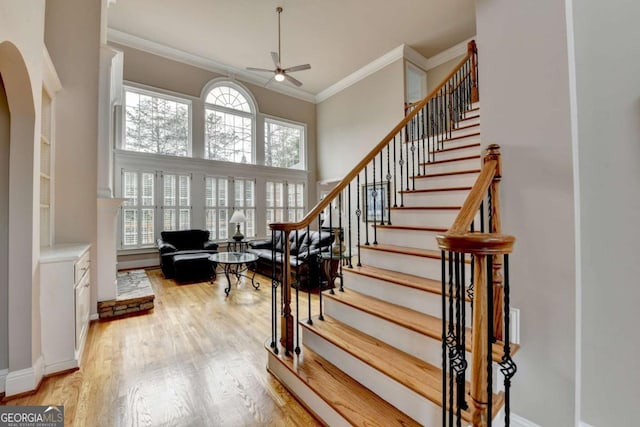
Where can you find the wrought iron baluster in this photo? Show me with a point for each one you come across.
(274, 297)
(381, 188)
(443, 300)
(401, 164)
(388, 185)
(297, 349)
(406, 146)
(358, 214)
(349, 223)
(395, 177)
(507, 366)
(366, 208)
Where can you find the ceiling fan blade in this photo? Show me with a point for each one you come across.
(271, 80)
(292, 80)
(298, 68)
(259, 69)
(276, 59)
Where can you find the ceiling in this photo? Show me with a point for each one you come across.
(337, 37)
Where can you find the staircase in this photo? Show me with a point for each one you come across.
(374, 354)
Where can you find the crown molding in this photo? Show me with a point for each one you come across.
(415, 57)
(370, 68)
(158, 49)
(449, 54)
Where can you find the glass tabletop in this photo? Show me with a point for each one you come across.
(233, 257)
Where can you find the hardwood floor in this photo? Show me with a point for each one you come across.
(197, 359)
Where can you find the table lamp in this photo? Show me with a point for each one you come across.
(238, 218)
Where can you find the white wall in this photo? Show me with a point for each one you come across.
(72, 36)
(353, 121)
(524, 96)
(607, 42)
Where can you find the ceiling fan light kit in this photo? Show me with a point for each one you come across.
(280, 74)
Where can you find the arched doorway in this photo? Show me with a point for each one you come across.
(19, 281)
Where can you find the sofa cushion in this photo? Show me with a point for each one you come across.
(186, 239)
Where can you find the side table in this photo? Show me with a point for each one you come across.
(237, 245)
(330, 264)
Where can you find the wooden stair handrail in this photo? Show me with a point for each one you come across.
(322, 204)
(478, 191)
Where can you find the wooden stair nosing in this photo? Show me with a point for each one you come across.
(421, 323)
(434, 175)
(417, 375)
(412, 228)
(457, 159)
(426, 208)
(356, 403)
(405, 250)
(470, 117)
(435, 190)
(456, 138)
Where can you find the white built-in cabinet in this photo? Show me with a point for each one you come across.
(65, 301)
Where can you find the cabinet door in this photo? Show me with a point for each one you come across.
(83, 295)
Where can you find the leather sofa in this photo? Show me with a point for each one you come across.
(303, 259)
(186, 242)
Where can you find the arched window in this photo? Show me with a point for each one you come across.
(229, 124)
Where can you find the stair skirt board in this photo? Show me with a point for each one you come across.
(410, 238)
(436, 198)
(442, 218)
(303, 393)
(417, 407)
(415, 299)
(463, 180)
(409, 264)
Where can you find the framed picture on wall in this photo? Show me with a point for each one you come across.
(374, 201)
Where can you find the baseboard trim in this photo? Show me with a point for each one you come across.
(141, 263)
(25, 380)
(57, 367)
(518, 421)
(583, 424)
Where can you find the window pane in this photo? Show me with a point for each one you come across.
(185, 219)
(130, 188)
(147, 189)
(210, 191)
(156, 124)
(169, 190)
(210, 223)
(223, 226)
(130, 227)
(228, 97)
(147, 227)
(169, 219)
(283, 145)
(228, 137)
(185, 197)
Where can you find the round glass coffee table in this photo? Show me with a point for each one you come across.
(235, 263)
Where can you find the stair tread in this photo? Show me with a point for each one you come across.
(413, 227)
(461, 147)
(435, 190)
(475, 116)
(456, 138)
(421, 323)
(424, 253)
(457, 159)
(353, 401)
(419, 376)
(403, 279)
(431, 208)
(433, 175)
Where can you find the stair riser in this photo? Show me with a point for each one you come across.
(463, 152)
(473, 139)
(410, 238)
(305, 394)
(464, 180)
(439, 198)
(422, 217)
(414, 405)
(409, 264)
(458, 165)
(473, 121)
(415, 299)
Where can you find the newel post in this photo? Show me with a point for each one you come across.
(472, 50)
(286, 319)
(493, 153)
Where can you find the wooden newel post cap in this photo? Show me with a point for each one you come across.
(477, 243)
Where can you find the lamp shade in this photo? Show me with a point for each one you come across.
(237, 218)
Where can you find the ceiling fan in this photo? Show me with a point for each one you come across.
(279, 73)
